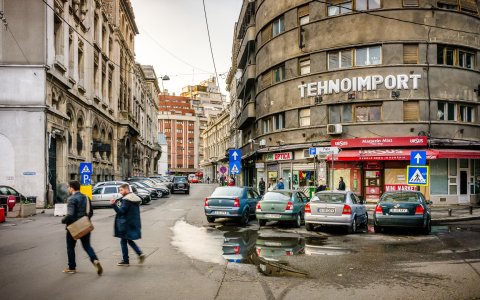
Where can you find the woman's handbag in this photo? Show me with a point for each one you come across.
(82, 226)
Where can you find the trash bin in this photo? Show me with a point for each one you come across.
(2, 214)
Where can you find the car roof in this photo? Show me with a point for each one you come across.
(333, 192)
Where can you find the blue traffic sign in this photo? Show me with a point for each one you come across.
(235, 161)
(312, 151)
(86, 168)
(418, 158)
(418, 175)
(85, 179)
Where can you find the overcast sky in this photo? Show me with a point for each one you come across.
(178, 27)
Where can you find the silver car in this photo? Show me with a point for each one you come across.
(102, 195)
(337, 208)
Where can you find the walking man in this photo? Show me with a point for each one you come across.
(341, 184)
(76, 209)
(127, 223)
(261, 186)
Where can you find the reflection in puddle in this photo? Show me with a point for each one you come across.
(274, 248)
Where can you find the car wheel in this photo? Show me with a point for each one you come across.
(298, 221)
(366, 220)
(245, 217)
(428, 227)
(210, 219)
(377, 229)
(262, 222)
(309, 226)
(187, 192)
(353, 227)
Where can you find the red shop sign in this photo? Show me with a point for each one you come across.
(409, 141)
(399, 187)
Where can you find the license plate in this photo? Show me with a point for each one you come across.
(273, 216)
(221, 213)
(326, 210)
(399, 210)
(181, 186)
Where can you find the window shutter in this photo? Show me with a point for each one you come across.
(410, 3)
(410, 54)
(303, 11)
(267, 33)
(267, 79)
(469, 6)
(448, 2)
(411, 111)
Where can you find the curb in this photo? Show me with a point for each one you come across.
(454, 219)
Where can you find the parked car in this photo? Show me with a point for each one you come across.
(143, 194)
(238, 245)
(154, 194)
(161, 190)
(167, 182)
(403, 209)
(282, 206)
(7, 194)
(339, 208)
(231, 202)
(102, 195)
(181, 184)
(117, 183)
(190, 177)
(195, 180)
(274, 248)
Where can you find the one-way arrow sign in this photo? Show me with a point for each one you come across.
(418, 158)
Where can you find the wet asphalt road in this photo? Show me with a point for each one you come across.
(191, 259)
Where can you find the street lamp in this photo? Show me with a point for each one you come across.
(163, 78)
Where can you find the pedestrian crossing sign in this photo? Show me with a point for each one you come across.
(418, 175)
(86, 168)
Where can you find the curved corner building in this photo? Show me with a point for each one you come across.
(379, 79)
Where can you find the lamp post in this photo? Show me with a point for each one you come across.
(163, 78)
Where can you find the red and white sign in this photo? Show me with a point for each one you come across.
(281, 156)
(378, 155)
(399, 187)
(411, 141)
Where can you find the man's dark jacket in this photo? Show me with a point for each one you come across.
(261, 186)
(127, 220)
(76, 208)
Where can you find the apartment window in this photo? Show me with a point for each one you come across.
(266, 125)
(466, 114)
(451, 56)
(58, 36)
(304, 117)
(448, 4)
(368, 56)
(266, 34)
(110, 85)
(303, 15)
(445, 55)
(71, 54)
(104, 39)
(95, 28)
(446, 111)
(340, 114)
(81, 64)
(368, 113)
(466, 59)
(279, 73)
(410, 3)
(338, 7)
(95, 74)
(340, 59)
(469, 6)
(304, 65)
(367, 4)
(278, 26)
(110, 48)
(411, 111)
(410, 54)
(279, 121)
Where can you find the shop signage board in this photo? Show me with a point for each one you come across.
(411, 141)
(279, 156)
(235, 161)
(418, 175)
(399, 187)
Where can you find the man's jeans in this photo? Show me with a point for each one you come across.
(71, 249)
(123, 244)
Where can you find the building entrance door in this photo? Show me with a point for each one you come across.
(373, 182)
(464, 191)
(52, 166)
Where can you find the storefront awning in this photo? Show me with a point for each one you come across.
(401, 154)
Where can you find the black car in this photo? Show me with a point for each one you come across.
(180, 184)
(5, 193)
(142, 193)
(154, 193)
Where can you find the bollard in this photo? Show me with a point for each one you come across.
(449, 212)
(471, 209)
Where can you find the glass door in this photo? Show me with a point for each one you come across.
(464, 191)
(373, 185)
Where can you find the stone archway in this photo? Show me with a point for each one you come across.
(7, 163)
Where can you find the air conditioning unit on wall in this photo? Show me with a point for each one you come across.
(333, 129)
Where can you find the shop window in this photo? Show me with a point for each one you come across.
(278, 26)
(368, 113)
(411, 111)
(340, 114)
(439, 177)
(279, 121)
(410, 3)
(367, 56)
(303, 15)
(304, 66)
(266, 126)
(340, 59)
(410, 54)
(466, 114)
(446, 111)
(339, 7)
(367, 4)
(304, 117)
(279, 73)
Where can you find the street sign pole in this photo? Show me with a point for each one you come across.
(333, 171)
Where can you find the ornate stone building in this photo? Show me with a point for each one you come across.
(74, 94)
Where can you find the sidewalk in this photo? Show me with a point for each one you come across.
(448, 213)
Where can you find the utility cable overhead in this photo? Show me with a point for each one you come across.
(210, 43)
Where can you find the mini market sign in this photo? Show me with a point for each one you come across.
(279, 156)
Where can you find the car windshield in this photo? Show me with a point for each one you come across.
(278, 195)
(180, 179)
(330, 198)
(227, 191)
(399, 197)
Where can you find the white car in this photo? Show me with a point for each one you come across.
(102, 195)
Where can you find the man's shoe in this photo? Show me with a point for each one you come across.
(69, 271)
(141, 258)
(98, 266)
(123, 264)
